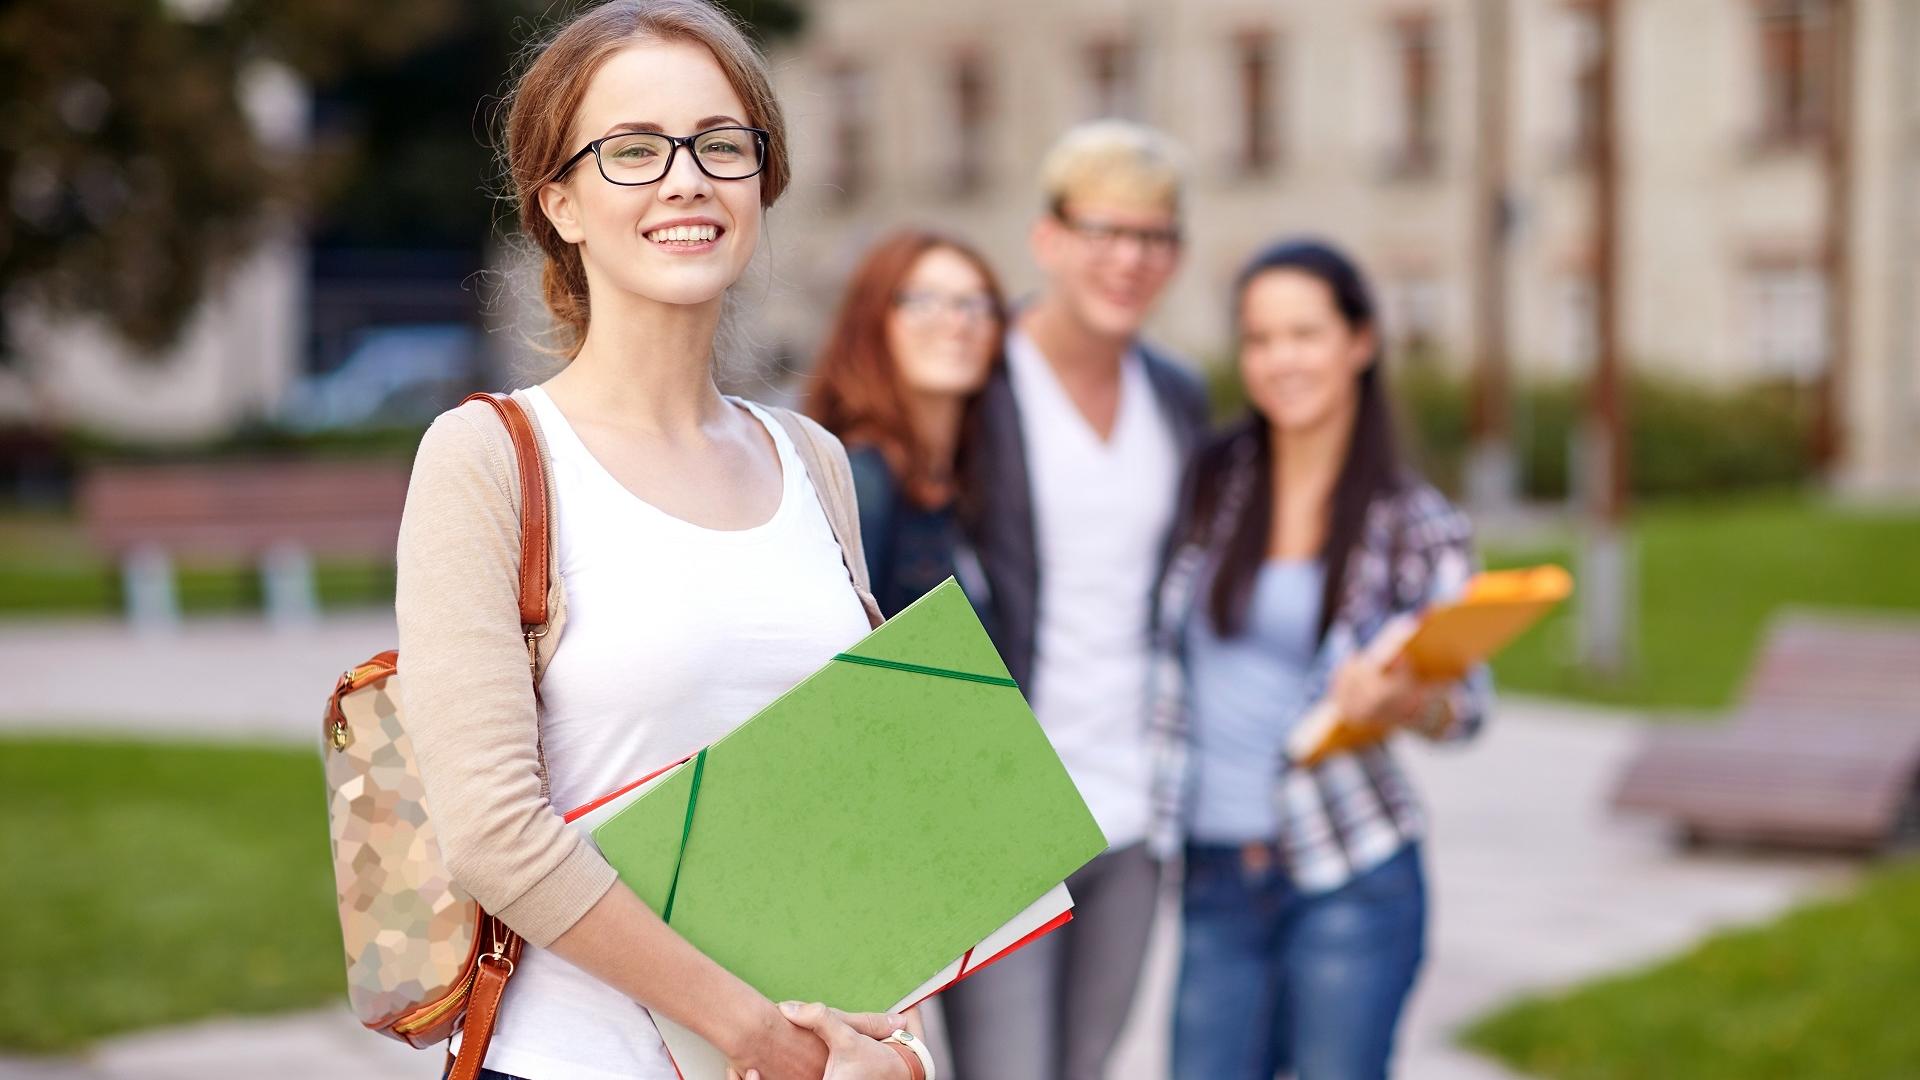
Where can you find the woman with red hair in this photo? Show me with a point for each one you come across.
(917, 334)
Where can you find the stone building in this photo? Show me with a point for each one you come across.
(1366, 121)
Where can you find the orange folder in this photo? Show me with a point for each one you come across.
(1441, 644)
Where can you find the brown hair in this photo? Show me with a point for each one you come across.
(858, 393)
(542, 104)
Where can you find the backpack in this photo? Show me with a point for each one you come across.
(423, 959)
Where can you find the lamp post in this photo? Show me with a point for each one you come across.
(1606, 556)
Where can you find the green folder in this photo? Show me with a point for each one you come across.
(869, 826)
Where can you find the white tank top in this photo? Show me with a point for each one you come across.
(675, 634)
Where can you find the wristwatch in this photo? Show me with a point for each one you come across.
(918, 1059)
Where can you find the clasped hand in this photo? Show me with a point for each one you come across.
(852, 1050)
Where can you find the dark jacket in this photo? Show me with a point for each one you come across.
(910, 548)
(998, 508)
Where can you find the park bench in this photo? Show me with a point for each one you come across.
(276, 514)
(1823, 751)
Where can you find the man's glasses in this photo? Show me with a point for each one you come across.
(643, 157)
(925, 305)
(1105, 237)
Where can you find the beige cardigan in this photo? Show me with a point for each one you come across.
(469, 700)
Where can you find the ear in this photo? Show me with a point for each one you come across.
(1043, 240)
(557, 202)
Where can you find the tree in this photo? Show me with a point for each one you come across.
(132, 178)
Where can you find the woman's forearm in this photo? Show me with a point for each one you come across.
(623, 943)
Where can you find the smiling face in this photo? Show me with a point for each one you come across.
(1108, 259)
(942, 330)
(1299, 357)
(685, 238)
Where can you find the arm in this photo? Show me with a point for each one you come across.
(472, 718)
(1390, 696)
(468, 694)
(623, 943)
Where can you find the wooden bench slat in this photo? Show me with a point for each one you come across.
(246, 508)
(1824, 748)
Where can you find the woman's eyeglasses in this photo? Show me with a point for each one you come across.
(925, 305)
(644, 157)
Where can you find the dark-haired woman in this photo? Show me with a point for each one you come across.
(1302, 533)
(917, 334)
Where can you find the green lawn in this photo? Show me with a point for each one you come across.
(1827, 991)
(156, 883)
(1710, 578)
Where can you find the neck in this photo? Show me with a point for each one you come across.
(1308, 460)
(936, 423)
(1069, 344)
(647, 364)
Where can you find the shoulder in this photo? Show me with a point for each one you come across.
(1426, 517)
(876, 491)
(804, 429)
(869, 465)
(1174, 378)
(467, 441)
(998, 395)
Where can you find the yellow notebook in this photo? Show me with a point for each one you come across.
(1441, 644)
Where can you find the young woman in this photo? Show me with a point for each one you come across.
(918, 332)
(644, 145)
(1301, 533)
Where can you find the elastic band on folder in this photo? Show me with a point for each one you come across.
(686, 829)
(922, 669)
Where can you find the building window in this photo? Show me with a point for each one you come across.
(1786, 309)
(1112, 79)
(967, 87)
(1415, 68)
(1257, 56)
(1583, 31)
(849, 175)
(1794, 45)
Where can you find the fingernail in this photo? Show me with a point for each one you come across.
(897, 1021)
(790, 1007)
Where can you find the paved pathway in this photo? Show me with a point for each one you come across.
(1534, 883)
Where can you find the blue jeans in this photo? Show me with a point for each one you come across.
(1276, 981)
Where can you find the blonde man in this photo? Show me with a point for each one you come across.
(1075, 468)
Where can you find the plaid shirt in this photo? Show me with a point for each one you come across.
(1354, 810)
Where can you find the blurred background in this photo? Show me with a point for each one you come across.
(1652, 279)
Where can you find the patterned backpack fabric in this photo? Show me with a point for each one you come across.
(423, 959)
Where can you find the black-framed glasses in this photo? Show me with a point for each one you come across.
(632, 158)
(1106, 236)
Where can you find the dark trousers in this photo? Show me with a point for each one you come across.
(1054, 1010)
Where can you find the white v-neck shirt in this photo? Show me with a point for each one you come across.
(1101, 510)
(675, 635)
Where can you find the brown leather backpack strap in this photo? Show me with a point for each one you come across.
(483, 1008)
(826, 464)
(534, 509)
